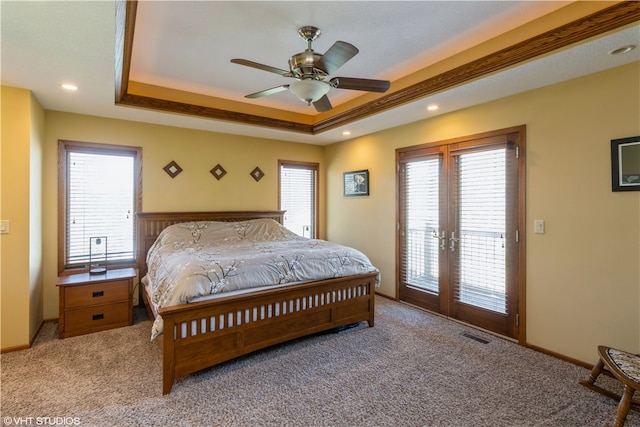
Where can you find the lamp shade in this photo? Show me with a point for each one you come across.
(309, 90)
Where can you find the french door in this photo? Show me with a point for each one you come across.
(460, 229)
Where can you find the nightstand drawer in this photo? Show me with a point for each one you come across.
(92, 303)
(96, 294)
(97, 318)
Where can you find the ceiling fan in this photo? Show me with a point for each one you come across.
(309, 69)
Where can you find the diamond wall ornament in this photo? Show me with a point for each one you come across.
(257, 174)
(172, 169)
(218, 172)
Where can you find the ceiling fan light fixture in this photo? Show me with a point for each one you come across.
(309, 68)
(309, 90)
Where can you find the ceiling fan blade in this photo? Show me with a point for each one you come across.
(368, 85)
(323, 104)
(260, 66)
(336, 57)
(267, 92)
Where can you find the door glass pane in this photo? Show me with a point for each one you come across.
(481, 255)
(422, 224)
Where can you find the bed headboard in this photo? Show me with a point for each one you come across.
(150, 224)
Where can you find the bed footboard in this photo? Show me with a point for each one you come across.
(200, 335)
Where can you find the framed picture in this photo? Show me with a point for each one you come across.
(356, 183)
(625, 164)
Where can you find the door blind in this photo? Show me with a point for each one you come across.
(480, 265)
(422, 225)
(100, 203)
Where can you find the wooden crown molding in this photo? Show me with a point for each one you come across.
(211, 113)
(598, 23)
(603, 21)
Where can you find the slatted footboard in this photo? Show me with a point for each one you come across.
(200, 335)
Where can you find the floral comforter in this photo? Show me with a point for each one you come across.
(196, 259)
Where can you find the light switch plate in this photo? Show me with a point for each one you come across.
(538, 226)
(4, 226)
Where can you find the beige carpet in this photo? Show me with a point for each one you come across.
(411, 369)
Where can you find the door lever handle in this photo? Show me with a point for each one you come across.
(453, 241)
(443, 238)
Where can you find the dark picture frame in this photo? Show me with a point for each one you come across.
(625, 164)
(172, 169)
(356, 183)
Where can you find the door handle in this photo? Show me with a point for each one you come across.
(453, 241)
(443, 238)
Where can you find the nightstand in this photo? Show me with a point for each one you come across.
(95, 302)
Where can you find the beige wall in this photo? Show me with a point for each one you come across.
(583, 277)
(36, 302)
(21, 205)
(195, 189)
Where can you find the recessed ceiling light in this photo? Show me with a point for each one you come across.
(432, 107)
(346, 133)
(623, 49)
(68, 86)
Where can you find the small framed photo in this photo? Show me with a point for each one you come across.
(625, 164)
(356, 183)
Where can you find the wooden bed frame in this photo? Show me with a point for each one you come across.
(203, 334)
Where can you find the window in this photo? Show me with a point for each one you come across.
(99, 193)
(298, 196)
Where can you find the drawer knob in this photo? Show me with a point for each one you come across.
(97, 294)
(98, 316)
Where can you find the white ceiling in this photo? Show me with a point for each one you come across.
(188, 46)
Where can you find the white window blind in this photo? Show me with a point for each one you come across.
(298, 197)
(100, 198)
(422, 207)
(481, 201)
